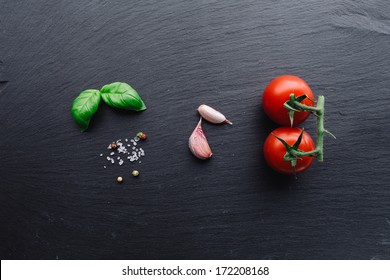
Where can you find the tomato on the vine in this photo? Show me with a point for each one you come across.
(278, 92)
(274, 149)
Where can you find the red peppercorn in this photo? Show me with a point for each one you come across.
(113, 146)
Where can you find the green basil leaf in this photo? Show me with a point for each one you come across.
(122, 96)
(84, 107)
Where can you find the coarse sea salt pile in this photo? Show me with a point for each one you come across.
(126, 151)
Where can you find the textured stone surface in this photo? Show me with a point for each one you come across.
(57, 201)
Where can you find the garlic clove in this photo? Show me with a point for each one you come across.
(198, 143)
(212, 115)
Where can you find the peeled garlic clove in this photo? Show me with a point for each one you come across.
(212, 115)
(198, 143)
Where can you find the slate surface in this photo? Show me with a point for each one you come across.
(57, 201)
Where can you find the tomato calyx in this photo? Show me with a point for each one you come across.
(292, 151)
(292, 107)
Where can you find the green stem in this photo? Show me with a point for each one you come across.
(320, 128)
(303, 154)
(319, 112)
(306, 108)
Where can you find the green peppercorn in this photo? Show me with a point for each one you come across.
(135, 173)
(119, 179)
(141, 135)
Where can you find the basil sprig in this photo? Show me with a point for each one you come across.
(118, 95)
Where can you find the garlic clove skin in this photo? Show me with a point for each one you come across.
(212, 115)
(198, 143)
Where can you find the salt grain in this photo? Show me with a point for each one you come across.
(101, 155)
(112, 153)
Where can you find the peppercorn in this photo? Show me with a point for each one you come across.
(141, 135)
(113, 145)
(119, 179)
(135, 173)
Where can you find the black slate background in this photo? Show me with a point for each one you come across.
(56, 200)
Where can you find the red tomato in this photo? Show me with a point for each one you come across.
(274, 150)
(278, 91)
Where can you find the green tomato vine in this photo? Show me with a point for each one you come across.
(294, 105)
